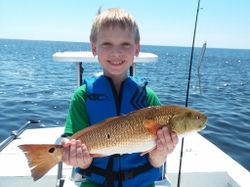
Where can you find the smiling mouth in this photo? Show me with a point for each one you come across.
(116, 62)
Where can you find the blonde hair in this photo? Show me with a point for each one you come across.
(114, 17)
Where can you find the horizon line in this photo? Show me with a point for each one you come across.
(158, 45)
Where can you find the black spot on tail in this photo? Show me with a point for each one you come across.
(52, 150)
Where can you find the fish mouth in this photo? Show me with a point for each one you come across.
(204, 121)
(203, 127)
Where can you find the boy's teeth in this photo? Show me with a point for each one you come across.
(116, 62)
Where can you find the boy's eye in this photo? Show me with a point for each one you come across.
(106, 44)
(126, 45)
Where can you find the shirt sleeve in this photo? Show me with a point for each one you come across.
(153, 100)
(77, 117)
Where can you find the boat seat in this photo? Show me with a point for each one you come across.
(73, 182)
(70, 183)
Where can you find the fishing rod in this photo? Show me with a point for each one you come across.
(188, 86)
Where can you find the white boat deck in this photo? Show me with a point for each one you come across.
(204, 165)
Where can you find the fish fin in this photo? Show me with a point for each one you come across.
(97, 155)
(84, 131)
(111, 119)
(151, 125)
(41, 158)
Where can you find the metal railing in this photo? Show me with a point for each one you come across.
(14, 134)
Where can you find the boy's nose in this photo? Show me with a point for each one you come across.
(116, 51)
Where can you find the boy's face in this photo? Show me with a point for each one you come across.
(116, 49)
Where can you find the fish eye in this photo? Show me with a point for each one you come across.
(197, 117)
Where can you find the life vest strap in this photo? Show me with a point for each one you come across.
(120, 175)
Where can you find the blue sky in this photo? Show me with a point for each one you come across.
(222, 23)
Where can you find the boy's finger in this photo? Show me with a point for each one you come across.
(65, 157)
(174, 138)
(79, 154)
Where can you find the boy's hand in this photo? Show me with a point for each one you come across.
(76, 154)
(165, 144)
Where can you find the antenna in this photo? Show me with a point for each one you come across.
(199, 64)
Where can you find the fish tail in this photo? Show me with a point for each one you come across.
(42, 157)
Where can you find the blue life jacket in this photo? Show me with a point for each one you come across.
(103, 102)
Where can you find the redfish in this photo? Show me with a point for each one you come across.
(134, 132)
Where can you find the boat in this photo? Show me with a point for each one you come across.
(203, 163)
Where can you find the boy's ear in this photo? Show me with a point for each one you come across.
(137, 49)
(93, 47)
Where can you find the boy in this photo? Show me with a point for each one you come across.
(115, 40)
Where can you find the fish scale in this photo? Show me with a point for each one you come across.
(111, 138)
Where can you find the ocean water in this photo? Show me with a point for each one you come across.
(33, 86)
